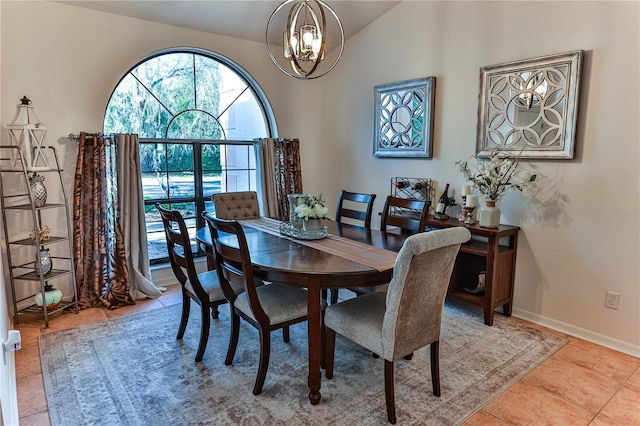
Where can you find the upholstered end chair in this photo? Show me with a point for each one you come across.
(408, 316)
(236, 205)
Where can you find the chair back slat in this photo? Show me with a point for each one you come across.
(343, 211)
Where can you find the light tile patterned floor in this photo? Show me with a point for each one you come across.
(581, 384)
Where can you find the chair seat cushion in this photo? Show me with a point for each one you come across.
(280, 302)
(359, 319)
(210, 284)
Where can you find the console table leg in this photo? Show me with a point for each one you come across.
(488, 315)
(506, 309)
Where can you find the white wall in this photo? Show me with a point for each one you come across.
(8, 396)
(572, 249)
(68, 60)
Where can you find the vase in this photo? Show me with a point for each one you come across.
(489, 215)
(311, 225)
(295, 221)
(38, 190)
(43, 262)
(51, 300)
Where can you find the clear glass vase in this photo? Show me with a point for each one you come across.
(295, 221)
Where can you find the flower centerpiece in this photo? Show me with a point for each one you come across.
(492, 178)
(311, 209)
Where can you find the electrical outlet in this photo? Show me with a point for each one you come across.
(613, 299)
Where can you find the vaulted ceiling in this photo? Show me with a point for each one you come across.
(244, 19)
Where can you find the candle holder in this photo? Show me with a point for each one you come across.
(469, 212)
(463, 214)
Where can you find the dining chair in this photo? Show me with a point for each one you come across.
(268, 307)
(407, 214)
(408, 316)
(360, 217)
(410, 215)
(236, 205)
(203, 288)
(363, 216)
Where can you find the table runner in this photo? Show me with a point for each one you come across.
(364, 254)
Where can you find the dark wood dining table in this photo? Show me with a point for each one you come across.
(286, 260)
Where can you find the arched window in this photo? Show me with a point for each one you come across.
(196, 114)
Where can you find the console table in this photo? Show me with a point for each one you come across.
(484, 252)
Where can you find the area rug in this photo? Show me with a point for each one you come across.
(133, 371)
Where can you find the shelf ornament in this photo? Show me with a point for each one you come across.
(43, 233)
(28, 132)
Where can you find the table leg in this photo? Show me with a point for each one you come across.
(315, 340)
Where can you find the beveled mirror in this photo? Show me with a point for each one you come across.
(529, 107)
(403, 118)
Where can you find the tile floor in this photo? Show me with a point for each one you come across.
(581, 384)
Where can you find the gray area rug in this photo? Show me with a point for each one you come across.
(133, 371)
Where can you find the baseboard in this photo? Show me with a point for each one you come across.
(581, 333)
(162, 274)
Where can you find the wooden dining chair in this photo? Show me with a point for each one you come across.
(236, 205)
(362, 216)
(268, 307)
(203, 288)
(407, 317)
(408, 214)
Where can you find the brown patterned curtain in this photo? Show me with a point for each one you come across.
(102, 277)
(280, 174)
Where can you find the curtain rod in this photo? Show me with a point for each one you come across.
(73, 137)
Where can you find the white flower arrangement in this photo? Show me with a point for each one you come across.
(493, 177)
(311, 207)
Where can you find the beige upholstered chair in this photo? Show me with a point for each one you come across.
(409, 216)
(203, 288)
(236, 205)
(269, 307)
(407, 317)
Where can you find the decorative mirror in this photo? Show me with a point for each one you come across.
(530, 107)
(403, 118)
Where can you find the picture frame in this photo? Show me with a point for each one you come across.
(529, 108)
(403, 118)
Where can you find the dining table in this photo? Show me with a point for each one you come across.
(349, 257)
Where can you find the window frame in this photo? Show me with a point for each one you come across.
(198, 197)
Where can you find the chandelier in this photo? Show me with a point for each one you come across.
(304, 39)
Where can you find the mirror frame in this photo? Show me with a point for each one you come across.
(420, 106)
(559, 98)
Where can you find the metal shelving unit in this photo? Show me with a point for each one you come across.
(18, 204)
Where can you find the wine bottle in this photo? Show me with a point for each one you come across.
(401, 184)
(417, 186)
(443, 201)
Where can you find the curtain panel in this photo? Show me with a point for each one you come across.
(131, 216)
(280, 174)
(102, 277)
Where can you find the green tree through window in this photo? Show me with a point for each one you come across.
(196, 114)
